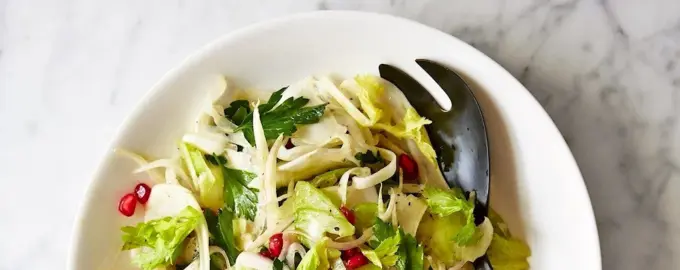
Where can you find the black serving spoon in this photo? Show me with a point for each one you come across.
(458, 135)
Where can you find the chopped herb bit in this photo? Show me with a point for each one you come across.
(222, 231)
(412, 253)
(240, 115)
(278, 264)
(237, 111)
(396, 248)
(381, 230)
(215, 159)
(238, 197)
(369, 158)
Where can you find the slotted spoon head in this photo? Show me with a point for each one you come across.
(458, 135)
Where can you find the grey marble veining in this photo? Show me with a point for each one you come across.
(606, 71)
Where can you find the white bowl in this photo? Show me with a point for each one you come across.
(536, 184)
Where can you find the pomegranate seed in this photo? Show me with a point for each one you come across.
(409, 167)
(142, 192)
(346, 254)
(356, 261)
(127, 205)
(289, 144)
(266, 253)
(349, 215)
(276, 244)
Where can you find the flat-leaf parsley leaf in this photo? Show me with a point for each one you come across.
(282, 119)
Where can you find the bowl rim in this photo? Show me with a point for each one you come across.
(195, 56)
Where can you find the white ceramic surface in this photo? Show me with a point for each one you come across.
(536, 184)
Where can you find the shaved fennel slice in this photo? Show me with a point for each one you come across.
(354, 196)
(262, 238)
(270, 179)
(289, 241)
(141, 161)
(410, 210)
(219, 95)
(471, 253)
(286, 241)
(387, 214)
(252, 260)
(216, 94)
(358, 196)
(295, 152)
(412, 188)
(401, 181)
(171, 178)
(311, 164)
(365, 236)
(379, 176)
(291, 154)
(356, 132)
(202, 122)
(304, 88)
(393, 214)
(381, 205)
(207, 142)
(395, 219)
(173, 171)
(294, 248)
(396, 100)
(326, 85)
(240, 160)
(322, 85)
(387, 143)
(244, 232)
(168, 200)
(344, 180)
(320, 133)
(428, 172)
(239, 139)
(167, 163)
(259, 223)
(261, 153)
(347, 148)
(291, 189)
(371, 139)
(370, 92)
(277, 199)
(320, 159)
(221, 123)
(260, 139)
(184, 152)
(317, 133)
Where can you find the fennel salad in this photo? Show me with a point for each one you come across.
(317, 175)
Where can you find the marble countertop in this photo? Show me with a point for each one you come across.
(605, 70)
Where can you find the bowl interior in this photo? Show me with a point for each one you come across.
(536, 185)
